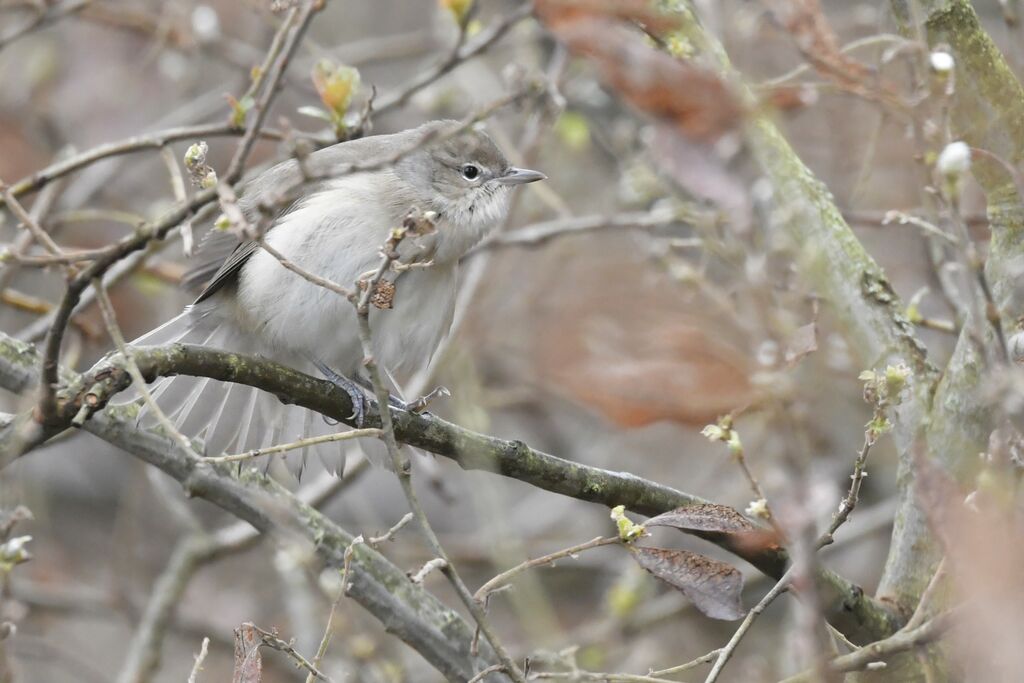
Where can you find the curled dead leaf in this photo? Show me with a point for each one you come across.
(709, 519)
(703, 517)
(714, 587)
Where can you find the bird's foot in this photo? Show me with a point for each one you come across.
(354, 391)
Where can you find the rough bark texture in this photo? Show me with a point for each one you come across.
(987, 113)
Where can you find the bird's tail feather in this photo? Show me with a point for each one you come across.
(232, 418)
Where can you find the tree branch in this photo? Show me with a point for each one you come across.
(987, 113)
(847, 604)
(406, 610)
(139, 143)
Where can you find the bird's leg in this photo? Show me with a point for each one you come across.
(351, 388)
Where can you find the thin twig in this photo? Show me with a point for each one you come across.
(25, 302)
(506, 576)
(147, 141)
(692, 664)
(38, 329)
(540, 233)
(110, 320)
(804, 67)
(271, 640)
(204, 649)
(317, 280)
(389, 535)
(60, 257)
(461, 53)
(283, 48)
(976, 266)
(927, 227)
(918, 617)
(595, 676)
(847, 504)
(301, 443)
(493, 669)
(325, 640)
(726, 652)
(649, 677)
(901, 641)
(178, 190)
(41, 237)
(421, 574)
(403, 468)
(47, 15)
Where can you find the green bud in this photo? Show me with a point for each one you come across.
(209, 180)
(195, 155)
(629, 530)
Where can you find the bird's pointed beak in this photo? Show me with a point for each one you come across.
(521, 176)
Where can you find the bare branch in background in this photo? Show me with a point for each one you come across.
(685, 265)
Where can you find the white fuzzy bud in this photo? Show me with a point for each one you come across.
(205, 23)
(758, 509)
(941, 62)
(955, 159)
(1015, 345)
(209, 179)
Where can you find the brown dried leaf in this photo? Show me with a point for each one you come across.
(693, 99)
(638, 11)
(383, 293)
(248, 662)
(714, 587)
(814, 37)
(704, 517)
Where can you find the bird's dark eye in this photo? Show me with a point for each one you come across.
(470, 171)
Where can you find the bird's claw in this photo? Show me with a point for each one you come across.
(354, 391)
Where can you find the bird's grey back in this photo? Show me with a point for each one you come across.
(277, 189)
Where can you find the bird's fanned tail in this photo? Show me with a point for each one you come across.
(228, 417)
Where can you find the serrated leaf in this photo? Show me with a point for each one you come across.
(714, 587)
(704, 517)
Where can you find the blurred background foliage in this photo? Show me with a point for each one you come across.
(613, 347)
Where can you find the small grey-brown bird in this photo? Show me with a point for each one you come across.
(252, 304)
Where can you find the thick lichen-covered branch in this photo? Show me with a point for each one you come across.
(830, 258)
(90, 393)
(987, 113)
(407, 611)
